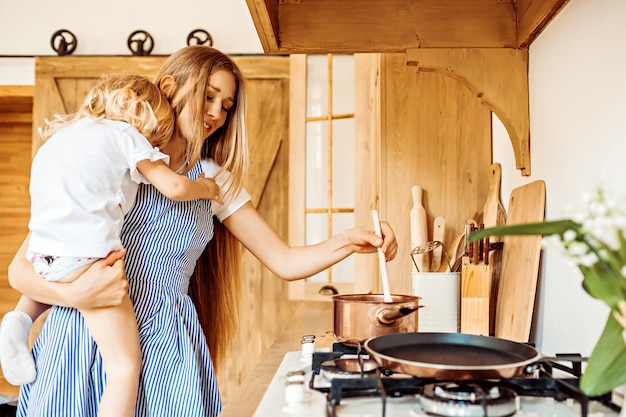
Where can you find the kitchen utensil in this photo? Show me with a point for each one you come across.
(456, 252)
(493, 213)
(454, 356)
(520, 265)
(419, 228)
(357, 317)
(439, 230)
(381, 259)
(427, 248)
(440, 297)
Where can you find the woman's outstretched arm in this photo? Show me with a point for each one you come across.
(293, 263)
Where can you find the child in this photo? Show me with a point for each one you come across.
(84, 179)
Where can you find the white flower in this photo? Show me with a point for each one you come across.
(568, 236)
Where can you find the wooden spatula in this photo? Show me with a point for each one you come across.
(419, 228)
(493, 213)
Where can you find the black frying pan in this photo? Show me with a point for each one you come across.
(453, 356)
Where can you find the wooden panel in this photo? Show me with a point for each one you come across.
(533, 16)
(437, 134)
(328, 26)
(265, 17)
(497, 77)
(321, 26)
(367, 117)
(15, 144)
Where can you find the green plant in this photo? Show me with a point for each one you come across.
(595, 240)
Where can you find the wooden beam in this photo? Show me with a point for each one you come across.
(330, 26)
(265, 17)
(533, 16)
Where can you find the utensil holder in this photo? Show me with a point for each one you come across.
(440, 294)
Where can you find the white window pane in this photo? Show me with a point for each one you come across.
(316, 85)
(316, 165)
(343, 163)
(317, 231)
(316, 228)
(344, 270)
(343, 84)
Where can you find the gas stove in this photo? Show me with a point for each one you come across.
(342, 382)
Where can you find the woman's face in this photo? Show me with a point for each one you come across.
(219, 97)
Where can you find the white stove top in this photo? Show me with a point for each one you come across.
(313, 403)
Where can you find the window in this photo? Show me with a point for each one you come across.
(322, 146)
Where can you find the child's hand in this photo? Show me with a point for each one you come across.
(213, 190)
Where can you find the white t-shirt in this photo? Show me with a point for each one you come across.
(222, 211)
(83, 180)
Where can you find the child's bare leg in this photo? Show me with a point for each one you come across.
(18, 365)
(114, 330)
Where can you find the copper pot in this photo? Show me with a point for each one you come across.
(357, 317)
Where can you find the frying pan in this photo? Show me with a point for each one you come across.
(452, 356)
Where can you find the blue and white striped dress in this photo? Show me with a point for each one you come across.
(164, 239)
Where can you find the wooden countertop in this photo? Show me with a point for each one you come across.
(312, 317)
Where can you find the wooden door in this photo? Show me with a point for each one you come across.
(61, 84)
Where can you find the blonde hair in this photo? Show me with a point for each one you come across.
(127, 98)
(191, 69)
(215, 284)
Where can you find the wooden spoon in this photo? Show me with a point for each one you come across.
(381, 260)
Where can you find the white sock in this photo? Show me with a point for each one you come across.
(18, 365)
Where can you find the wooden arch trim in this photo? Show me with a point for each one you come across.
(496, 76)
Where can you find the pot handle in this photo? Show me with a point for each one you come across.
(388, 315)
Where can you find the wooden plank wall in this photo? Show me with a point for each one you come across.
(15, 155)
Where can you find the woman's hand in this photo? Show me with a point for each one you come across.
(364, 240)
(103, 284)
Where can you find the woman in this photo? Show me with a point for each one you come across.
(206, 90)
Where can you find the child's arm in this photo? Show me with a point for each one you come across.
(178, 187)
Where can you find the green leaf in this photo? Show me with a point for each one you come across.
(539, 228)
(603, 283)
(606, 367)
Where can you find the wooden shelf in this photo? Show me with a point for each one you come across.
(329, 26)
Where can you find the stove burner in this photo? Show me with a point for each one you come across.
(348, 368)
(467, 399)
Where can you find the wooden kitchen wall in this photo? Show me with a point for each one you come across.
(61, 82)
(15, 143)
(418, 128)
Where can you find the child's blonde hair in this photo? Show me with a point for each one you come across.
(127, 98)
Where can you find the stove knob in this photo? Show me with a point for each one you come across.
(294, 392)
(308, 345)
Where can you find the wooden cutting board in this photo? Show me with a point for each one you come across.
(520, 265)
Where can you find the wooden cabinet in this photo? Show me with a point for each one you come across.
(329, 26)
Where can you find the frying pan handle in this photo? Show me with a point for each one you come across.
(388, 315)
(555, 361)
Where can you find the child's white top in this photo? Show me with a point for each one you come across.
(83, 180)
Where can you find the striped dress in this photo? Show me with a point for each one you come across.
(164, 239)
